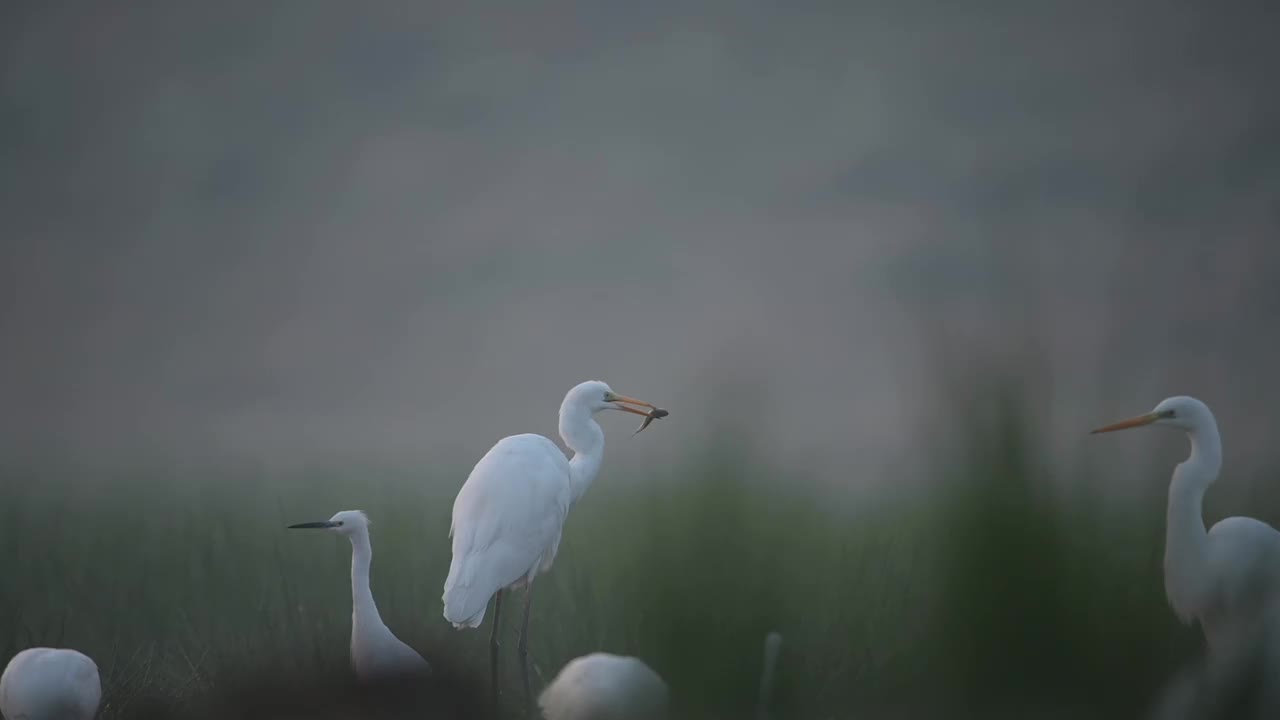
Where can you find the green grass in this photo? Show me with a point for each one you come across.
(992, 595)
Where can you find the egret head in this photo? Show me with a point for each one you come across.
(595, 396)
(347, 522)
(1180, 412)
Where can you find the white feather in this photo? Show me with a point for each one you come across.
(50, 684)
(601, 686)
(507, 521)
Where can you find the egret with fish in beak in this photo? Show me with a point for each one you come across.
(509, 514)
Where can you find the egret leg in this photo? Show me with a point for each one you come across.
(493, 650)
(524, 651)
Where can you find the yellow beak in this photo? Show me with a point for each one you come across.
(620, 399)
(1133, 422)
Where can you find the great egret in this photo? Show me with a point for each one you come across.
(1225, 578)
(43, 682)
(375, 651)
(509, 514)
(601, 686)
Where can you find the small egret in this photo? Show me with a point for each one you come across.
(601, 686)
(375, 651)
(1227, 577)
(509, 514)
(43, 682)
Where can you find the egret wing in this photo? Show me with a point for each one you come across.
(1245, 556)
(506, 523)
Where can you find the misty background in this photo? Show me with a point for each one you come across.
(402, 230)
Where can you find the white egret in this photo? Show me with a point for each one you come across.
(508, 516)
(601, 686)
(54, 683)
(375, 651)
(1224, 578)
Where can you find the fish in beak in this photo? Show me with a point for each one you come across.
(624, 403)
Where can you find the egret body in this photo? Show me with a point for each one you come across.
(601, 686)
(509, 514)
(1226, 577)
(375, 651)
(50, 683)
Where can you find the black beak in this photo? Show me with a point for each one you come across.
(323, 524)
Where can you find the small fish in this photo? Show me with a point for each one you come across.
(653, 414)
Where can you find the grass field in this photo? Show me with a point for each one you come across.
(975, 600)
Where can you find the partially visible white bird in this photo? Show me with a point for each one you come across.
(375, 652)
(1228, 577)
(509, 514)
(43, 683)
(601, 686)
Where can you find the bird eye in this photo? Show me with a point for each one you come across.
(339, 523)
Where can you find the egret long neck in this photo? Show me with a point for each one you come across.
(584, 437)
(364, 613)
(1187, 580)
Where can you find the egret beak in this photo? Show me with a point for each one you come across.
(1130, 423)
(321, 525)
(618, 401)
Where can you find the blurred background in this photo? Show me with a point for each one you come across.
(885, 263)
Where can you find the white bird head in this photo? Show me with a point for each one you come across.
(347, 522)
(1181, 412)
(594, 396)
